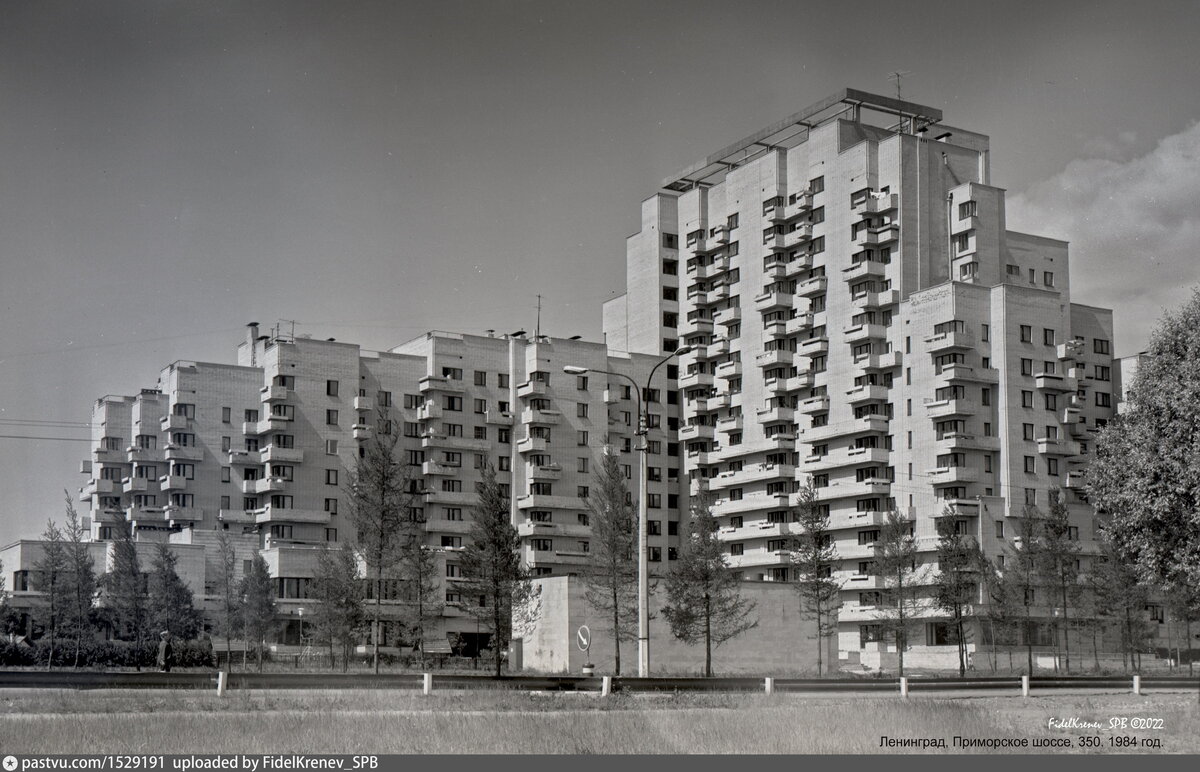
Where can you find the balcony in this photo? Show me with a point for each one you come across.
(798, 324)
(538, 501)
(270, 425)
(728, 424)
(273, 454)
(728, 316)
(962, 372)
(98, 487)
(952, 441)
(714, 402)
(178, 515)
(1054, 383)
(729, 370)
(437, 383)
(692, 432)
(135, 485)
(149, 515)
(270, 514)
(865, 332)
(814, 405)
(864, 269)
(814, 346)
(695, 380)
(242, 458)
(774, 415)
(852, 489)
(1054, 446)
(545, 472)
(774, 358)
(797, 236)
(861, 456)
(275, 393)
(883, 234)
(873, 300)
(695, 326)
(949, 475)
(775, 331)
(361, 431)
(949, 341)
(532, 445)
(888, 361)
(532, 389)
(803, 380)
(867, 393)
(1072, 349)
(270, 484)
(800, 206)
(436, 469)
(184, 453)
(141, 455)
(813, 287)
(1076, 480)
(540, 417)
(172, 482)
(878, 204)
(362, 403)
(568, 530)
(429, 411)
(174, 422)
(773, 301)
(943, 408)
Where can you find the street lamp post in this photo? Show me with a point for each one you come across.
(643, 449)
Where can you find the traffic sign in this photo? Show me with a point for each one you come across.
(583, 638)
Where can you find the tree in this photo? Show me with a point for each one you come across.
(171, 603)
(1004, 608)
(422, 591)
(49, 579)
(956, 585)
(704, 602)
(611, 576)
(381, 492)
(80, 581)
(125, 587)
(1125, 596)
(228, 610)
(1146, 474)
(1058, 555)
(896, 565)
(1023, 577)
(814, 558)
(339, 614)
(491, 565)
(1183, 604)
(258, 605)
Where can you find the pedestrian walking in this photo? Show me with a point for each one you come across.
(164, 652)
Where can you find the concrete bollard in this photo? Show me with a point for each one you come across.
(221, 682)
(427, 684)
(1137, 684)
(769, 685)
(904, 687)
(1024, 686)
(606, 686)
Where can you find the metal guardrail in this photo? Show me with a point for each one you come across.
(67, 679)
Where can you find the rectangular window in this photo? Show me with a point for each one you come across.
(480, 378)
(331, 417)
(1100, 346)
(226, 415)
(384, 399)
(1048, 337)
(1026, 333)
(331, 506)
(331, 388)
(331, 477)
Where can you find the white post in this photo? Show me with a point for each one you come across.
(1137, 684)
(427, 685)
(769, 685)
(221, 683)
(1024, 686)
(606, 686)
(904, 687)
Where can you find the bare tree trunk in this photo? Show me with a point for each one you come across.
(1188, 622)
(708, 636)
(375, 621)
(1066, 630)
(616, 629)
(496, 630)
(820, 636)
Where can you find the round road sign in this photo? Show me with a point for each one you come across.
(583, 638)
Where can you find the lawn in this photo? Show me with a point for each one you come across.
(348, 722)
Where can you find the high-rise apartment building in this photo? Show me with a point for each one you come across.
(862, 318)
(261, 450)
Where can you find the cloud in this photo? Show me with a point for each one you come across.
(1134, 228)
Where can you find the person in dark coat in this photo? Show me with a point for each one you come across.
(164, 652)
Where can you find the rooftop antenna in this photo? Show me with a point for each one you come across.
(537, 331)
(897, 76)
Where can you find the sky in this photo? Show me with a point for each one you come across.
(170, 171)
